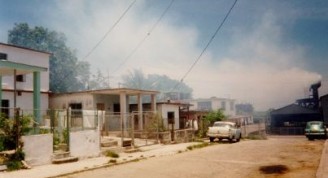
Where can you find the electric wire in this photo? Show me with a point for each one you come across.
(144, 39)
(205, 48)
(104, 37)
(109, 30)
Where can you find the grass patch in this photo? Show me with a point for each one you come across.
(204, 144)
(112, 154)
(256, 137)
(112, 161)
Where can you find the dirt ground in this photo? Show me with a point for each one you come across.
(282, 157)
(293, 158)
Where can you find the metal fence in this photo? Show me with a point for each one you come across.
(140, 129)
(57, 122)
(286, 130)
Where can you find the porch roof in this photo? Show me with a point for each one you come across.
(128, 91)
(114, 91)
(8, 68)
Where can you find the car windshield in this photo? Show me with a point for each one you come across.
(314, 125)
(222, 125)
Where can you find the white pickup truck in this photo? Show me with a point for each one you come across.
(224, 130)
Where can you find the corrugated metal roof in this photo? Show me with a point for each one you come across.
(293, 109)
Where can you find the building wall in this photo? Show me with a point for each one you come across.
(63, 101)
(25, 101)
(107, 100)
(163, 109)
(38, 149)
(85, 144)
(324, 105)
(89, 101)
(227, 105)
(28, 57)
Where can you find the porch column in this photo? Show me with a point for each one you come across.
(37, 96)
(0, 91)
(153, 103)
(140, 111)
(122, 113)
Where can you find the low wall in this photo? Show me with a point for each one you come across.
(38, 149)
(85, 144)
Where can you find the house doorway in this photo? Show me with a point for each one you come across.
(170, 121)
(5, 107)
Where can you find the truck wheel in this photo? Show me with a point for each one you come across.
(211, 139)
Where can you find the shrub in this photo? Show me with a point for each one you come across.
(112, 161)
(112, 154)
(14, 165)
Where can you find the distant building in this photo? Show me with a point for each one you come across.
(291, 119)
(228, 106)
(324, 108)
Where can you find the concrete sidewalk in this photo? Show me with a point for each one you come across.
(53, 170)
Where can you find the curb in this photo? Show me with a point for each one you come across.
(97, 167)
(321, 169)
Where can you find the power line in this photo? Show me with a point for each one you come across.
(104, 37)
(109, 30)
(207, 45)
(144, 39)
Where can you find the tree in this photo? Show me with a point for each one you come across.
(213, 116)
(137, 79)
(66, 72)
(98, 81)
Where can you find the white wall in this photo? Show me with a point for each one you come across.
(28, 57)
(108, 100)
(85, 144)
(63, 101)
(164, 109)
(25, 101)
(38, 149)
(216, 104)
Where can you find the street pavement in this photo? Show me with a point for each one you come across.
(54, 170)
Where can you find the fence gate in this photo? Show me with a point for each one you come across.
(59, 126)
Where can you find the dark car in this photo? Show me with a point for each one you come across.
(315, 130)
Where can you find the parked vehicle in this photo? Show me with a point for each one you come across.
(224, 130)
(315, 130)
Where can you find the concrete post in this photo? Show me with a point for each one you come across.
(153, 103)
(140, 111)
(122, 113)
(37, 96)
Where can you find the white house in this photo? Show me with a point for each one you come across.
(114, 103)
(24, 78)
(228, 106)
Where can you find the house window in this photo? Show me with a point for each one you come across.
(20, 78)
(76, 109)
(206, 105)
(3, 56)
(117, 108)
(223, 105)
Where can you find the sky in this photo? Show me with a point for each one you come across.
(267, 53)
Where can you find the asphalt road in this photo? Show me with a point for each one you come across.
(274, 157)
